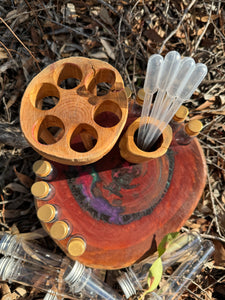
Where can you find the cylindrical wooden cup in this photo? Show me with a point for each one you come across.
(132, 153)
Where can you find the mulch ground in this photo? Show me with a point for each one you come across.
(34, 34)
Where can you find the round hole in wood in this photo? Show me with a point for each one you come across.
(47, 97)
(155, 146)
(102, 82)
(84, 138)
(108, 114)
(49, 131)
(70, 76)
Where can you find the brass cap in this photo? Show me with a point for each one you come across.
(76, 246)
(59, 230)
(42, 168)
(193, 127)
(140, 96)
(181, 114)
(46, 213)
(128, 91)
(40, 189)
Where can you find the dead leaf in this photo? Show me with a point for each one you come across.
(108, 48)
(153, 36)
(24, 179)
(206, 18)
(34, 235)
(15, 187)
(205, 104)
(219, 254)
(104, 15)
(14, 213)
(3, 53)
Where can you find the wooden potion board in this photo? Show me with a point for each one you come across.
(120, 209)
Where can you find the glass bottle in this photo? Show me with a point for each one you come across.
(76, 279)
(42, 190)
(18, 247)
(44, 170)
(185, 134)
(137, 103)
(179, 281)
(136, 276)
(179, 118)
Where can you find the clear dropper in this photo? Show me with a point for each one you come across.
(184, 91)
(150, 87)
(167, 72)
(186, 67)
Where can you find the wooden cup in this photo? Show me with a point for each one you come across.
(132, 153)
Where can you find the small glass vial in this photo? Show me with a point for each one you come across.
(83, 280)
(75, 279)
(185, 135)
(42, 190)
(179, 118)
(137, 104)
(48, 213)
(128, 92)
(18, 247)
(44, 170)
(136, 276)
(60, 230)
(182, 277)
(51, 295)
(76, 246)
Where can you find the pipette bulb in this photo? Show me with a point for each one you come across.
(186, 67)
(169, 69)
(153, 69)
(195, 79)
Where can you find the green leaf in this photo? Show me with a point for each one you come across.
(166, 241)
(155, 275)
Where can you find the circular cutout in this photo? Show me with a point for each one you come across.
(102, 82)
(84, 138)
(108, 114)
(70, 76)
(47, 97)
(50, 131)
(157, 143)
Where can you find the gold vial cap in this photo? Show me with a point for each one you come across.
(76, 246)
(42, 168)
(193, 127)
(181, 114)
(59, 230)
(46, 213)
(40, 189)
(140, 96)
(128, 92)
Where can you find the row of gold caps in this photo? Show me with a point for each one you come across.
(48, 213)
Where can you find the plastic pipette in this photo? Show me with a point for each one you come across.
(186, 67)
(167, 72)
(187, 87)
(150, 87)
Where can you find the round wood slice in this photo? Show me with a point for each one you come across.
(120, 209)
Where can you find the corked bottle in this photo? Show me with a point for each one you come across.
(44, 170)
(185, 135)
(42, 190)
(137, 103)
(179, 118)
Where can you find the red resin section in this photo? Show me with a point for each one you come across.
(120, 209)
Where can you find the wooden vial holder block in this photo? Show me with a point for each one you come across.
(67, 116)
